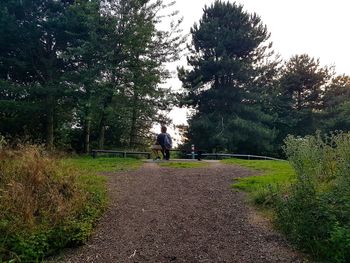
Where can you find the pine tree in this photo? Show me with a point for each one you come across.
(227, 82)
(336, 105)
(34, 38)
(301, 87)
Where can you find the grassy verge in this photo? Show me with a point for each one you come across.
(102, 164)
(312, 207)
(183, 164)
(48, 204)
(273, 175)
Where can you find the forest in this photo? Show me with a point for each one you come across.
(77, 75)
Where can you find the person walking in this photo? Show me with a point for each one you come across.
(165, 141)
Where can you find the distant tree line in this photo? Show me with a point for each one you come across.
(79, 74)
(245, 98)
(82, 73)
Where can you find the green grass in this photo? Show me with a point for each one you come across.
(103, 164)
(183, 164)
(272, 172)
(273, 175)
(89, 178)
(89, 169)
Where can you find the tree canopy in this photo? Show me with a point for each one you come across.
(224, 83)
(90, 73)
(76, 71)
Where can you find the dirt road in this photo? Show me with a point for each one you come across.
(160, 214)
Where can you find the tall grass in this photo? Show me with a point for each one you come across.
(315, 214)
(44, 204)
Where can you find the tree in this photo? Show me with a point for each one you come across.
(135, 72)
(227, 81)
(299, 100)
(86, 70)
(33, 39)
(336, 104)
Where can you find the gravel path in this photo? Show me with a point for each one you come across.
(159, 214)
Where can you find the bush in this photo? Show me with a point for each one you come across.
(44, 206)
(315, 214)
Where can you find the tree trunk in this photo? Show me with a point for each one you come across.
(133, 132)
(87, 135)
(101, 134)
(49, 127)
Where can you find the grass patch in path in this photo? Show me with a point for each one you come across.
(273, 174)
(171, 164)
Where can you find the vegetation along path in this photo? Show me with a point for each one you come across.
(162, 214)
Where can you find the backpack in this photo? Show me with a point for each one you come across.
(168, 142)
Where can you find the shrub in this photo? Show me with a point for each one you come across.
(315, 214)
(43, 205)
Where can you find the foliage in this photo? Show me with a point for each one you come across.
(75, 73)
(183, 164)
(336, 105)
(47, 204)
(229, 79)
(274, 176)
(299, 101)
(315, 214)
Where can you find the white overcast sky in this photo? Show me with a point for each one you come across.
(319, 28)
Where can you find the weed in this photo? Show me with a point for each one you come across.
(315, 215)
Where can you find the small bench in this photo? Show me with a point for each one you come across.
(122, 153)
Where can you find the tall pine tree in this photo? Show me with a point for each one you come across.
(227, 81)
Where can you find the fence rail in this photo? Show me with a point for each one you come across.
(196, 155)
(122, 153)
(247, 156)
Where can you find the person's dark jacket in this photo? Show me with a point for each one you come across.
(164, 140)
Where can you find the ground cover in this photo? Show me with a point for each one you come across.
(48, 203)
(272, 177)
(312, 205)
(102, 164)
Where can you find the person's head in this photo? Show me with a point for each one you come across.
(163, 129)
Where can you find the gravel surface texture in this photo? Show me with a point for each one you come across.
(159, 214)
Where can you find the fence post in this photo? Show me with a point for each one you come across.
(192, 148)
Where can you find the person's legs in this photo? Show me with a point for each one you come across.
(156, 153)
(167, 154)
(163, 152)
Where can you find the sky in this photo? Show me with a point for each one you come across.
(319, 28)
